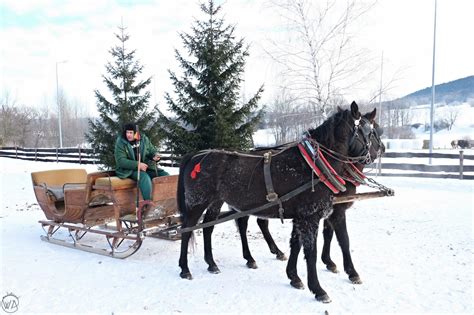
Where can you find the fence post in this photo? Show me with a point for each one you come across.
(379, 166)
(461, 163)
(57, 155)
(80, 160)
(16, 152)
(36, 154)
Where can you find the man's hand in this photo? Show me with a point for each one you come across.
(143, 167)
(157, 157)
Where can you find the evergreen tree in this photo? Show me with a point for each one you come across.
(129, 103)
(206, 109)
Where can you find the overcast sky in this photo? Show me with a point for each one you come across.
(36, 34)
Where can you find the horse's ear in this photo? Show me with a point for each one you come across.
(372, 115)
(355, 110)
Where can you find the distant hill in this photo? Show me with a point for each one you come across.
(459, 90)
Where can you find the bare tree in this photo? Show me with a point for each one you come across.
(15, 121)
(318, 59)
(287, 118)
(452, 113)
(73, 120)
(28, 126)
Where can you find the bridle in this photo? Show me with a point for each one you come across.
(363, 135)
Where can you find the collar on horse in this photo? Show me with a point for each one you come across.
(321, 167)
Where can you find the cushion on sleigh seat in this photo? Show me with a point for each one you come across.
(57, 193)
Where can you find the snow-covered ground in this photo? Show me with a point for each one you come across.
(414, 252)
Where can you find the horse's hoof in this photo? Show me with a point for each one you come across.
(323, 298)
(252, 265)
(186, 275)
(355, 280)
(213, 269)
(297, 284)
(332, 268)
(282, 257)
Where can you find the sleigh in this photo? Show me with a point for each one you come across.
(84, 209)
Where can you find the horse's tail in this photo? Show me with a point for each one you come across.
(182, 208)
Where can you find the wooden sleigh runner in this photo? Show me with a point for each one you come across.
(81, 207)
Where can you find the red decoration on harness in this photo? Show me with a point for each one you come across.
(196, 169)
(323, 158)
(354, 175)
(318, 172)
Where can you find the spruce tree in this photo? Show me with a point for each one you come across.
(129, 103)
(206, 107)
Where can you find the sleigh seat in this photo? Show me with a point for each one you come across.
(65, 195)
(124, 192)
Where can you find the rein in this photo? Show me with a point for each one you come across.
(244, 213)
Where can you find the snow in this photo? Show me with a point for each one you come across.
(414, 252)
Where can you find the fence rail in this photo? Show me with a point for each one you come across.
(86, 156)
(426, 170)
(69, 155)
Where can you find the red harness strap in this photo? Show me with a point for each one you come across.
(355, 176)
(318, 172)
(333, 172)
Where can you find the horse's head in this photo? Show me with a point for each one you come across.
(351, 134)
(365, 142)
(336, 132)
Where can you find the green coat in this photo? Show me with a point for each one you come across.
(125, 161)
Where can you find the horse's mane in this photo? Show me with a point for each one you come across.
(325, 133)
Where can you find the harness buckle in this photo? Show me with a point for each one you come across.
(271, 197)
(267, 157)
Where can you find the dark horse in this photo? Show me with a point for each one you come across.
(210, 178)
(336, 222)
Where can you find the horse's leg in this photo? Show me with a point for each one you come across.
(339, 224)
(193, 216)
(309, 233)
(263, 224)
(212, 213)
(291, 270)
(328, 233)
(242, 224)
(183, 258)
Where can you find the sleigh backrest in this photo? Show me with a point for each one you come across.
(57, 178)
(61, 194)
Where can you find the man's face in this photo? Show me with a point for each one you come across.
(129, 134)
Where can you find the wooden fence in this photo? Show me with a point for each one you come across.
(86, 156)
(69, 155)
(426, 170)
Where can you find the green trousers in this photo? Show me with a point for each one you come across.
(145, 183)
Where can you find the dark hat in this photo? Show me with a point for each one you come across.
(128, 126)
